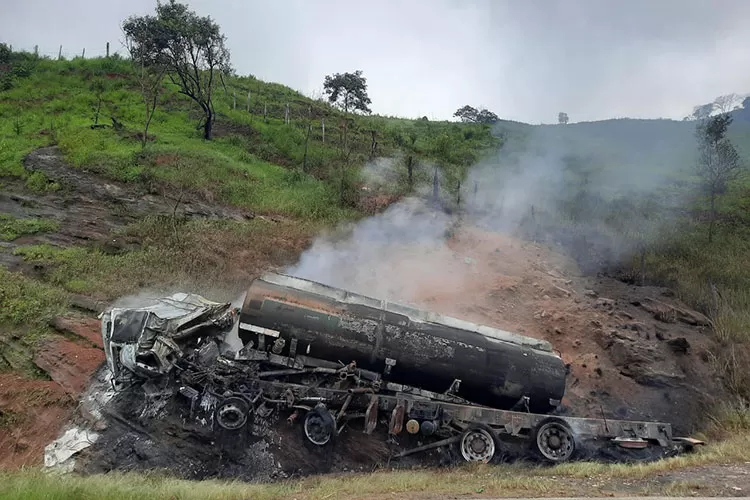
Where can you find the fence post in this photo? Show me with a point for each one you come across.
(265, 111)
(36, 50)
(234, 99)
(59, 53)
(323, 123)
(108, 49)
(248, 101)
(286, 114)
(83, 53)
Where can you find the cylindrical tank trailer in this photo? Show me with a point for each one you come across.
(411, 346)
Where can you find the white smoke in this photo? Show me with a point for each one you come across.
(526, 187)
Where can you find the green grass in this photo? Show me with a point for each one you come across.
(11, 227)
(202, 256)
(470, 479)
(251, 163)
(26, 307)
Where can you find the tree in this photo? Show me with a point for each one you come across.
(150, 68)
(702, 111)
(191, 48)
(486, 116)
(562, 118)
(727, 103)
(467, 114)
(718, 160)
(348, 91)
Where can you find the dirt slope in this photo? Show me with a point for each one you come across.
(634, 352)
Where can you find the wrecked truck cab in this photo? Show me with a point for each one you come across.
(144, 341)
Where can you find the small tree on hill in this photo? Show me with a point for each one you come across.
(348, 91)
(487, 117)
(467, 114)
(150, 68)
(191, 47)
(702, 111)
(562, 118)
(718, 160)
(727, 103)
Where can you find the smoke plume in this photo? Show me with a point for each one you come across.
(598, 195)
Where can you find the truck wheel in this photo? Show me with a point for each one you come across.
(319, 426)
(554, 440)
(478, 444)
(231, 414)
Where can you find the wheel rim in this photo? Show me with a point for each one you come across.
(317, 430)
(555, 442)
(231, 415)
(477, 445)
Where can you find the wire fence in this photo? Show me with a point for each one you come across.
(67, 53)
(310, 114)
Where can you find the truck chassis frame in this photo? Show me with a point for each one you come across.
(327, 398)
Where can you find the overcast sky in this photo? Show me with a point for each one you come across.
(523, 59)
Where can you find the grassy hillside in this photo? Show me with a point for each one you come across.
(290, 185)
(254, 162)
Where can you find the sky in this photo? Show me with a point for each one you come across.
(525, 60)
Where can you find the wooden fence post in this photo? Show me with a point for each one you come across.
(323, 124)
(248, 101)
(83, 53)
(36, 50)
(234, 99)
(59, 53)
(107, 49)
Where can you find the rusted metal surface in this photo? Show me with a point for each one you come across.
(409, 346)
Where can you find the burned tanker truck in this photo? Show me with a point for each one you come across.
(327, 359)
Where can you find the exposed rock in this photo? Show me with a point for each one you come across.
(605, 303)
(669, 314)
(679, 345)
(652, 378)
(87, 328)
(69, 364)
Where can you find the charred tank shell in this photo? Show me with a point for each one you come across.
(496, 368)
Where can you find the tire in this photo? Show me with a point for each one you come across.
(554, 441)
(479, 443)
(319, 427)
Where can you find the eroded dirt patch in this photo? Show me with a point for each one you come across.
(32, 411)
(89, 208)
(31, 415)
(69, 363)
